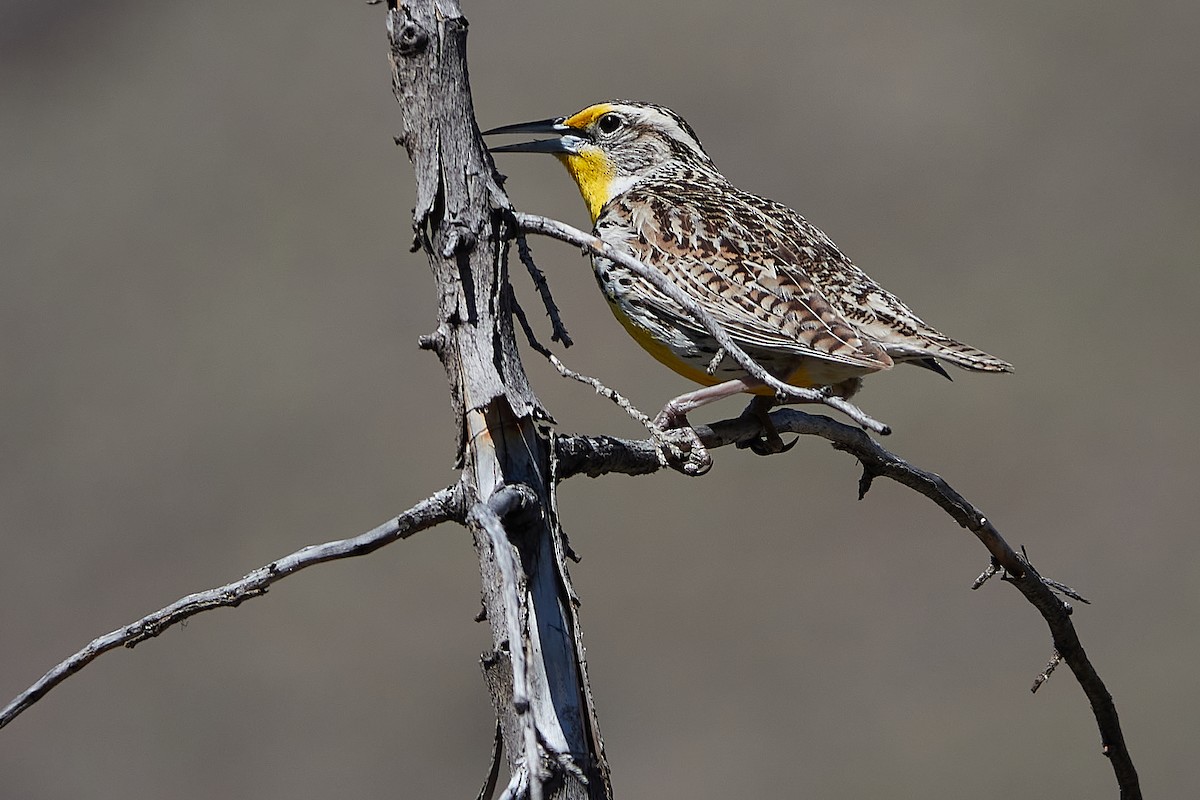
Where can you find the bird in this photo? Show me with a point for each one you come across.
(779, 286)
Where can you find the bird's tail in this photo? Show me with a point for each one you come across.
(943, 348)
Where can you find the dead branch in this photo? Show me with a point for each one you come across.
(536, 672)
(598, 455)
(444, 506)
(558, 331)
(679, 448)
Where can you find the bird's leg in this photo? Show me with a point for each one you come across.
(684, 450)
(690, 453)
(674, 413)
(770, 442)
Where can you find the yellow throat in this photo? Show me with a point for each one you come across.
(591, 169)
(593, 175)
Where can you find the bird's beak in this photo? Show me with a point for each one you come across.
(568, 140)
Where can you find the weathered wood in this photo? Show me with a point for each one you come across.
(462, 220)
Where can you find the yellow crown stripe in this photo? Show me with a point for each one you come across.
(589, 115)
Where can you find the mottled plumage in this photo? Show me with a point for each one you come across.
(782, 290)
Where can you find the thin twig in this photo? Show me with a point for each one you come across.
(599, 387)
(679, 449)
(717, 358)
(443, 506)
(1051, 665)
(682, 449)
(532, 223)
(989, 571)
(558, 330)
(604, 391)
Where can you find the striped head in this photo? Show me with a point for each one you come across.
(608, 147)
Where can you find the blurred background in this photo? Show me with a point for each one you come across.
(208, 325)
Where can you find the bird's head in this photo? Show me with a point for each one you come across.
(608, 147)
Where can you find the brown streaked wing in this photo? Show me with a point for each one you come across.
(874, 311)
(749, 278)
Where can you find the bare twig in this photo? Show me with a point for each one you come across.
(532, 223)
(523, 320)
(634, 457)
(989, 571)
(679, 449)
(1051, 665)
(604, 391)
(600, 389)
(715, 361)
(443, 506)
(558, 330)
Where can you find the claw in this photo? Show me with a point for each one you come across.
(769, 443)
(768, 446)
(761, 447)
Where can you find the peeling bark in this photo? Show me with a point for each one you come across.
(535, 672)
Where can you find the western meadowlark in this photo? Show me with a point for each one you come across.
(778, 285)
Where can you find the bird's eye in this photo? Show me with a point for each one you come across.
(609, 123)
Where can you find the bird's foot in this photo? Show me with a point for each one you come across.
(770, 442)
(678, 443)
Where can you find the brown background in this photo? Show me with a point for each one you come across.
(208, 319)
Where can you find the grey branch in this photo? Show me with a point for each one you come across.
(558, 331)
(535, 672)
(486, 518)
(443, 506)
(532, 223)
(597, 455)
(679, 449)
(616, 397)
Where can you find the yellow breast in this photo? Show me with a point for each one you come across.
(806, 372)
(663, 354)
